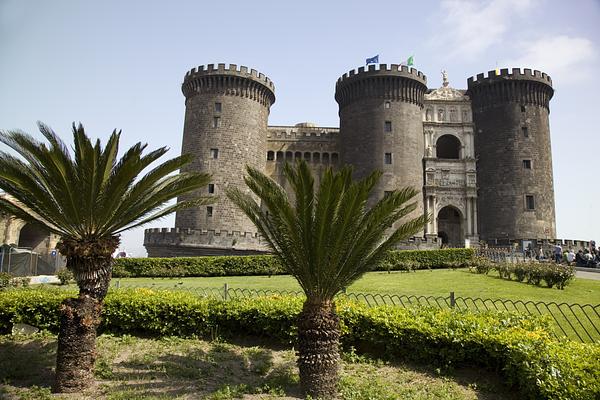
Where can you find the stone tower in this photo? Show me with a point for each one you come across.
(381, 125)
(226, 112)
(512, 146)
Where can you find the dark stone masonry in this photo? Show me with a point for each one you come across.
(481, 157)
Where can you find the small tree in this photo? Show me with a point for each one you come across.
(326, 240)
(87, 200)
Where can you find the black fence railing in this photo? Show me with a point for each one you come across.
(579, 322)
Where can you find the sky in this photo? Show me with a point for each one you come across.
(120, 64)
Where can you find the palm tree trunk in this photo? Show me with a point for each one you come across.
(318, 349)
(80, 317)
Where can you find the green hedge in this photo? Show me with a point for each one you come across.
(518, 346)
(534, 273)
(268, 265)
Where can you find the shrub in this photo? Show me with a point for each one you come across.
(8, 281)
(5, 278)
(65, 276)
(520, 272)
(519, 346)
(407, 260)
(427, 259)
(535, 273)
(481, 265)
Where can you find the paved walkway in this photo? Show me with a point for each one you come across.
(588, 275)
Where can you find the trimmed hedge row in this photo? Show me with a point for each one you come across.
(268, 265)
(518, 346)
(534, 273)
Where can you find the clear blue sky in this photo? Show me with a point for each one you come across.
(120, 64)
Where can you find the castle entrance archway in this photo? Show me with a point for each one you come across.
(450, 228)
(448, 147)
(33, 237)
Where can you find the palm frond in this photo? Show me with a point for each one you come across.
(90, 194)
(326, 239)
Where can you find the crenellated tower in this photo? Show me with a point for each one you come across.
(514, 159)
(226, 113)
(381, 125)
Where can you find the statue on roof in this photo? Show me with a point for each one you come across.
(445, 81)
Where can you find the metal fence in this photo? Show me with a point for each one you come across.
(579, 322)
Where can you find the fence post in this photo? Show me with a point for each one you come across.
(225, 290)
(452, 300)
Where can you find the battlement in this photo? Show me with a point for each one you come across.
(394, 82)
(201, 232)
(514, 74)
(384, 69)
(300, 133)
(231, 69)
(230, 80)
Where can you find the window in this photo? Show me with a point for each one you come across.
(386, 104)
(297, 155)
(387, 159)
(525, 131)
(279, 156)
(334, 158)
(214, 153)
(387, 126)
(316, 157)
(270, 156)
(218, 107)
(216, 122)
(522, 109)
(325, 158)
(211, 188)
(307, 156)
(209, 211)
(289, 156)
(448, 146)
(527, 164)
(529, 202)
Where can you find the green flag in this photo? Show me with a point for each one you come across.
(410, 62)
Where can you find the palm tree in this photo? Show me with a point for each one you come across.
(88, 201)
(326, 240)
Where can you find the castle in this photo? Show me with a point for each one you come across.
(481, 157)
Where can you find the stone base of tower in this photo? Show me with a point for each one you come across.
(176, 242)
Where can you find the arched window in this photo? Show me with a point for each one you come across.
(289, 156)
(33, 237)
(448, 146)
(270, 156)
(297, 155)
(316, 157)
(334, 158)
(280, 156)
(325, 158)
(307, 156)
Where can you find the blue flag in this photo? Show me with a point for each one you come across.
(373, 60)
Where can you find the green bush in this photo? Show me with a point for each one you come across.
(9, 281)
(519, 346)
(481, 265)
(197, 266)
(5, 278)
(407, 260)
(535, 273)
(64, 276)
(427, 259)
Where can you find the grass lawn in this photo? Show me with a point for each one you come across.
(171, 368)
(420, 283)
